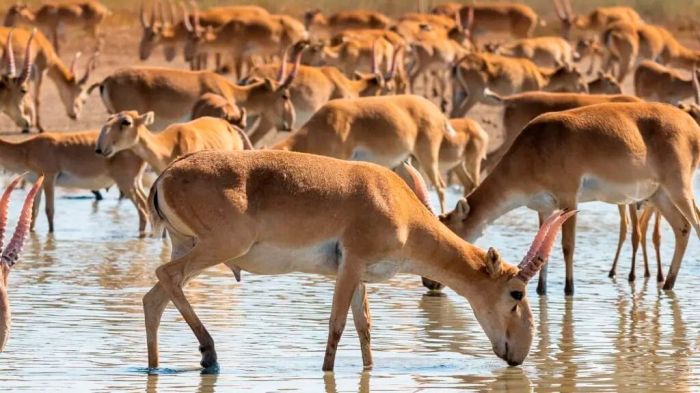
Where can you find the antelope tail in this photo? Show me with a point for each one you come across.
(156, 216)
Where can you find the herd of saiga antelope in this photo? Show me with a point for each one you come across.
(275, 211)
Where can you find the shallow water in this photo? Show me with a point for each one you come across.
(78, 321)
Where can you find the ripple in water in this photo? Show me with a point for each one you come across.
(78, 322)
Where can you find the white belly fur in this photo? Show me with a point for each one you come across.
(596, 189)
(323, 258)
(364, 154)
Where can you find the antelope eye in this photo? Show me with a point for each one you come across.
(23, 90)
(125, 123)
(517, 295)
(285, 95)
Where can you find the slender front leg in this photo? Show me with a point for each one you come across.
(49, 188)
(363, 323)
(635, 239)
(643, 227)
(347, 280)
(154, 303)
(656, 238)
(620, 239)
(173, 276)
(568, 244)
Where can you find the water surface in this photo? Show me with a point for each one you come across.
(78, 321)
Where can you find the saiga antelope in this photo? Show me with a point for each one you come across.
(543, 51)
(315, 86)
(515, 19)
(14, 100)
(128, 130)
(10, 255)
(214, 105)
(172, 35)
(53, 17)
(68, 159)
(596, 20)
(321, 27)
(618, 153)
(171, 94)
(273, 212)
(654, 82)
(71, 88)
(463, 152)
(384, 130)
(476, 72)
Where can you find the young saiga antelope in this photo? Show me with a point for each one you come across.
(10, 255)
(127, 131)
(276, 212)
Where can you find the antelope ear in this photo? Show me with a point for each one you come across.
(462, 209)
(147, 118)
(269, 84)
(492, 262)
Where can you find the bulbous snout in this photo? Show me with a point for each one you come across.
(510, 356)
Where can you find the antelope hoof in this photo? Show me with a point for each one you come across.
(659, 277)
(611, 274)
(631, 277)
(541, 289)
(569, 288)
(431, 284)
(209, 360)
(670, 282)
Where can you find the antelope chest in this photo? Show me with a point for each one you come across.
(593, 188)
(323, 258)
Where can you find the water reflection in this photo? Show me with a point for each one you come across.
(78, 321)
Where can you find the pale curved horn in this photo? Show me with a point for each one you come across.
(171, 11)
(142, 13)
(186, 18)
(528, 270)
(11, 254)
(4, 206)
(470, 18)
(74, 64)
(161, 10)
(394, 63)
(295, 68)
(568, 10)
(696, 85)
(419, 187)
(539, 238)
(282, 72)
(154, 11)
(89, 68)
(559, 10)
(375, 60)
(26, 71)
(10, 55)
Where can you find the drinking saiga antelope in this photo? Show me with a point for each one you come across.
(619, 153)
(277, 212)
(10, 255)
